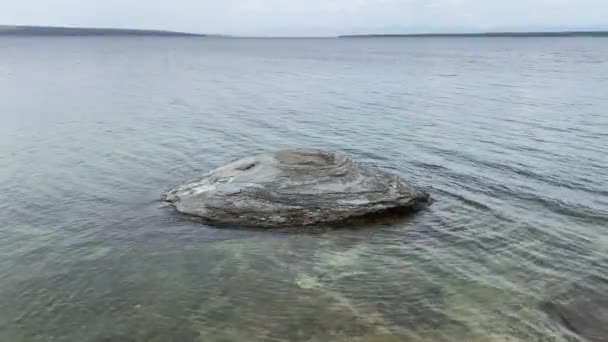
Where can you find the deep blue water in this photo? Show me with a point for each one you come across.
(508, 134)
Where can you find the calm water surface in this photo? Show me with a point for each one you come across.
(509, 135)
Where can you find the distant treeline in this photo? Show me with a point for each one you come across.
(489, 34)
(78, 31)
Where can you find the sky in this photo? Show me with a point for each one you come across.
(309, 17)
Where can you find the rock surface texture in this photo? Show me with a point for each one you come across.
(297, 187)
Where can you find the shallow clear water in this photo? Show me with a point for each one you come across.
(509, 136)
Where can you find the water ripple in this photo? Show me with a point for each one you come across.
(508, 136)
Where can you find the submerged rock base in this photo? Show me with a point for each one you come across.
(296, 187)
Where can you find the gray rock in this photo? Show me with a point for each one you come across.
(297, 187)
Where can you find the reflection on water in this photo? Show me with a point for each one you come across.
(507, 134)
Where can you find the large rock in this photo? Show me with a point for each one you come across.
(298, 187)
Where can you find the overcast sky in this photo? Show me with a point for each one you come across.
(302, 17)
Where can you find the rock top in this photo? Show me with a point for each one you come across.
(295, 187)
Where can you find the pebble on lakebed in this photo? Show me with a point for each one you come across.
(295, 187)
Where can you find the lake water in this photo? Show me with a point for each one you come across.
(508, 134)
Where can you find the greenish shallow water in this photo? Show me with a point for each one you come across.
(509, 136)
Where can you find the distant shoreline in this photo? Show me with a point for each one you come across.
(58, 31)
(485, 34)
(52, 31)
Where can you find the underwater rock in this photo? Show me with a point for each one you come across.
(296, 187)
(582, 310)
